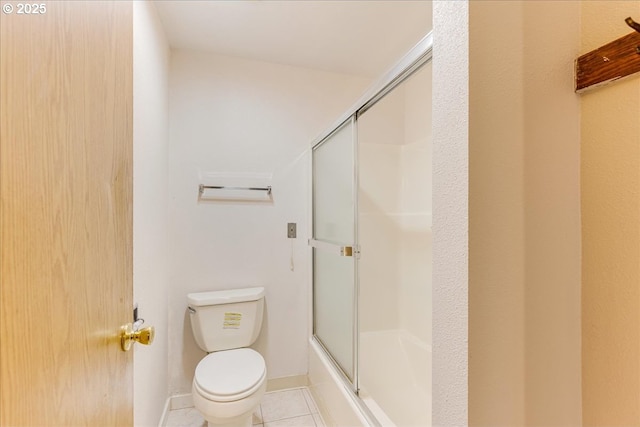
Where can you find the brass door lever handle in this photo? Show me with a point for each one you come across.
(128, 336)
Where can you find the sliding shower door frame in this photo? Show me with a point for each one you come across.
(418, 56)
(353, 245)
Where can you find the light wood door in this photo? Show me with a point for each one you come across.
(65, 214)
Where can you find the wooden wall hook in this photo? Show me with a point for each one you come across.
(633, 24)
(613, 61)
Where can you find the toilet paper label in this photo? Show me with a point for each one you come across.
(232, 320)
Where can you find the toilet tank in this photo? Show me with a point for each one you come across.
(223, 320)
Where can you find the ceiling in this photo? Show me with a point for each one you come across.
(361, 37)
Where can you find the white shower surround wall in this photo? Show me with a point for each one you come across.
(395, 266)
(394, 216)
(240, 116)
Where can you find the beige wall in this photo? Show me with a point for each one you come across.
(524, 215)
(611, 232)
(496, 222)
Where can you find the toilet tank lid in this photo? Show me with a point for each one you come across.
(225, 297)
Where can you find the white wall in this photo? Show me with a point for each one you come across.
(150, 242)
(450, 212)
(241, 116)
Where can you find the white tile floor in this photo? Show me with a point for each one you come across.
(286, 408)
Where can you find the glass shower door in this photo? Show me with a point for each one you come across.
(333, 242)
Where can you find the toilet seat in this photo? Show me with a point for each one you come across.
(229, 375)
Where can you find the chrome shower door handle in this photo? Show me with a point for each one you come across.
(334, 248)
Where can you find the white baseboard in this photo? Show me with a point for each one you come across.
(165, 413)
(283, 383)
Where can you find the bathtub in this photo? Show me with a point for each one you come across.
(338, 406)
(395, 377)
(395, 382)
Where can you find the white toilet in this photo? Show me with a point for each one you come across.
(230, 381)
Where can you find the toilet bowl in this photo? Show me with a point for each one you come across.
(228, 386)
(230, 381)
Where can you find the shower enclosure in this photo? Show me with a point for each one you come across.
(372, 246)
